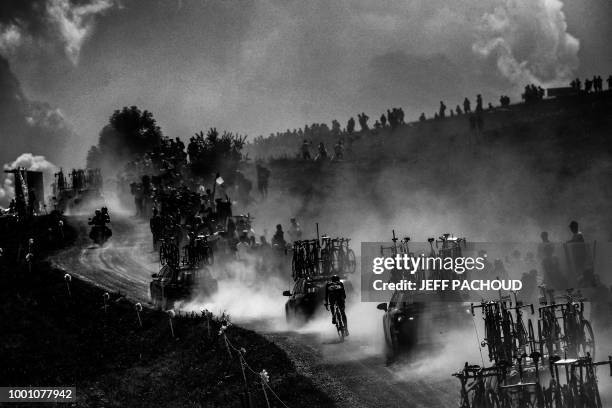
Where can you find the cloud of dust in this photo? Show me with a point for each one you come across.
(245, 294)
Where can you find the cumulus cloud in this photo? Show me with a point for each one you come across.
(10, 38)
(28, 161)
(27, 125)
(324, 50)
(75, 22)
(69, 22)
(529, 41)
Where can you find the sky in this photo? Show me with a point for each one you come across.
(261, 66)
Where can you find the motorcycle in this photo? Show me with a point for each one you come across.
(99, 234)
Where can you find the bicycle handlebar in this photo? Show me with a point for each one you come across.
(523, 306)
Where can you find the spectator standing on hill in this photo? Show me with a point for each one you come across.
(393, 119)
(400, 116)
(350, 126)
(458, 110)
(383, 120)
(466, 106)
(422, 118)
(479, 103)
(363, 121)
(609, 83)
(335, 130)
(442, 112)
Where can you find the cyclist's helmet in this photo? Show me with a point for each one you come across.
(335, 278)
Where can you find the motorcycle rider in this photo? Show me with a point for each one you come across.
(336, 295)
(98, 223)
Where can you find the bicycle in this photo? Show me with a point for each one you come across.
(169, 252)
(305, 258)
(549, 330)
(499, 329)
(336, 256)
(524, 337)
(479, 393)
(580, 389)
(578, 333)
(340, 323)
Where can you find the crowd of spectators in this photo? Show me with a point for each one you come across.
(318, 134)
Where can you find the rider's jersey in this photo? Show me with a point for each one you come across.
(334, 291)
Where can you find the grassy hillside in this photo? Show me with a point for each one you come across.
(55, 334)
(533, 167)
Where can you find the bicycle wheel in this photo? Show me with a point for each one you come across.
(351, 261)
(571, 334)
(325, 262)
(340, 326)
(541, 338)
(294, 266)
(509, 339)
(494, 401)
(588, 344)
(336, 260)
(531, 337)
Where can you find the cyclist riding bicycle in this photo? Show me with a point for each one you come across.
(335, 295)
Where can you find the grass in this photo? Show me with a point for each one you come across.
(49, 337)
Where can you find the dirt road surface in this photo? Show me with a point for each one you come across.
(353, 373)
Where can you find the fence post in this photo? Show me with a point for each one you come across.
(106, 297)
(265, 378)
(171, 315)
(68, 279)
(138, 308)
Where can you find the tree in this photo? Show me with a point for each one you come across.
(129, 134)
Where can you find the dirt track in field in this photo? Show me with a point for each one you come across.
(353, 373)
